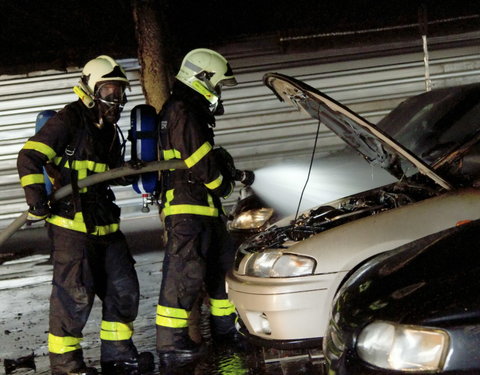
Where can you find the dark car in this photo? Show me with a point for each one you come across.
(413, 310)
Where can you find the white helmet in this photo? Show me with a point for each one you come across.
(206, 71)
(100, 69)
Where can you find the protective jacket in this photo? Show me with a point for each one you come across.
(90, 254)
(198, 250)
(186, 133)
(71, 147)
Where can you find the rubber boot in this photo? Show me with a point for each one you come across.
(143, 363)
(70, 363)
(84, 371)
(225, 333)
(175, 345)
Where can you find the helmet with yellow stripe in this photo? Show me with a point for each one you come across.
(206, 71)
(99, 70)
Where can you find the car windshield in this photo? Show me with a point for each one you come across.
(437, 123)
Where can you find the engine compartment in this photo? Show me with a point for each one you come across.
(339, 212)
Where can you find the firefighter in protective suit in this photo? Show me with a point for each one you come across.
(89, 252)
(199, 250)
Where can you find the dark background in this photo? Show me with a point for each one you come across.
(42, 34)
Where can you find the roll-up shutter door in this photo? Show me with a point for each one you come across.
(257, 129)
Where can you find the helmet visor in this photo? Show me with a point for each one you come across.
(112, 94)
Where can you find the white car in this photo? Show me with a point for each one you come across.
(286, 277)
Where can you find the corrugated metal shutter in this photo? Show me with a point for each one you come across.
(257, 129)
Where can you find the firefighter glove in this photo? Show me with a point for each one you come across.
(38, 212)
(225, 162)
(227, 189)
(135, 164)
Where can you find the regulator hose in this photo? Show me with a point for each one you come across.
(112, 174)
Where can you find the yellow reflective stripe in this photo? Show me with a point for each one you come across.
(221, 307)
(61, 345)
(171, 322)
(90, 165)
(203, 90)
(169, 195)
(78, 224)
(210, 201)
(171, 154)
(198, 154)
(116, 331)
(41, 148)
(82, 166)
(190, 209)
(115, 336)
(215, 183)
(30, 179)
(81, 174)
(173, 312)
(172, 317)
(222, 303)
(33, 217)
(194, 209)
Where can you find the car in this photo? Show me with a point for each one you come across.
(285, 278)
(249, 216)
(413, 310)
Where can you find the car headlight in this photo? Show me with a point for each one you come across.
(274, 263)
(402, 347)
(252, 219)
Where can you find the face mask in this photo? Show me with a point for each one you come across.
(111, 99)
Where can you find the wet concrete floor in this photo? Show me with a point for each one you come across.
(25, 283)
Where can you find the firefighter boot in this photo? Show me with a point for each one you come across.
(225, 333)
(175, 345)
(143, 363)
(84, 371)
(70, 363)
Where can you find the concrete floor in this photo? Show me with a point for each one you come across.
(24, 294)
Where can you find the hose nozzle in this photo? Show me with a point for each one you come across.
(245, 177)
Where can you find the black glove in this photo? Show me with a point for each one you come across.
(38, 212)
(135, 164)
(225, 162)
(225, 189)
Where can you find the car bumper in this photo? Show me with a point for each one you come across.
(289, 310)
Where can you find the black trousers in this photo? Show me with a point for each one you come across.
(85, 266)
(199, 252)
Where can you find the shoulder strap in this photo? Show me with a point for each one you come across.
(77, 134)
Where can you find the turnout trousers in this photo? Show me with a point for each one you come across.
(199, 252)
(85, 266)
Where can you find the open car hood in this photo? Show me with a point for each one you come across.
(377, 147)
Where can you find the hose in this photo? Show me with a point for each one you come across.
(112, 174)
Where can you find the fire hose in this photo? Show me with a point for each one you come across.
(112, 174)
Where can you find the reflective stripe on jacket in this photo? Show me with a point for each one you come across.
(186, 134)
(95, 150)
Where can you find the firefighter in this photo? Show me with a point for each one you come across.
(199, 250)
(89, 253)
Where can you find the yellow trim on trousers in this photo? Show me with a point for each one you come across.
(62, 345)
(116, 331)
(172, 317)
